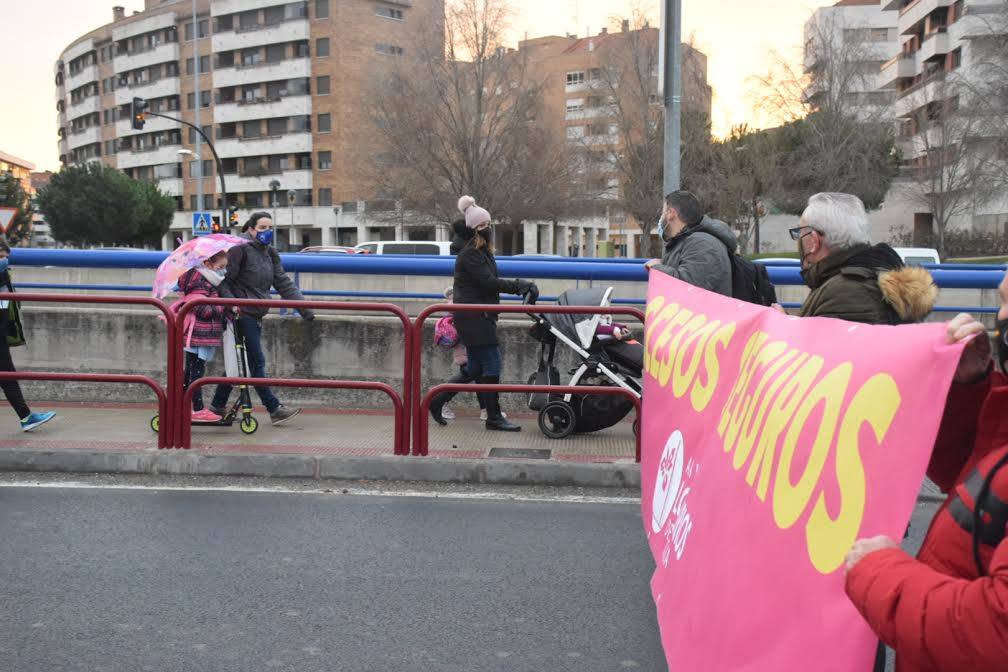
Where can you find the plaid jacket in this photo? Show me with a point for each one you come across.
(207, 322)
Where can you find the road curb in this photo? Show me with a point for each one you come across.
(271, 465)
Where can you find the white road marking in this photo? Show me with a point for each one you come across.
(336, 490)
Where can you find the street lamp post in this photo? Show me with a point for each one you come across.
(274, 188)
(672, 85)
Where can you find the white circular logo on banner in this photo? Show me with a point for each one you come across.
(670, 473)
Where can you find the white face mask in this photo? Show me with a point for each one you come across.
(215, 278)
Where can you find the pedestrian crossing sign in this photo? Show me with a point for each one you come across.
(202, 224)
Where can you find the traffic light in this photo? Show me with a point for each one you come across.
(233, 216)
(215, 227)
(137, 110)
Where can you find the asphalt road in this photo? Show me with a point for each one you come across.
(158, 579)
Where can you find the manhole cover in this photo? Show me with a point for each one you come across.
(521, 453)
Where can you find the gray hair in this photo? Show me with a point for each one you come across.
(840, 218)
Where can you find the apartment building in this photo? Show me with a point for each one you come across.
(19, 168)
(845, 48)
(278, 86)
(944, 44)
(577, 106)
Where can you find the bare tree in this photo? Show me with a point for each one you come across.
(455, 117)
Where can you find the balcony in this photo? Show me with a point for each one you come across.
(89, 105)
(264, 108)
(293, 68)
(166, 86)
(78, 50)
(81, 77)
(934, 45)
(224, 7)
(148, 25)
(916, 12)
(290, 143)
(289, 179)
(163, 53)
(901, 67)
(931, 89)
(172, 186)
(63, 146)
(149, 156)
(124, 127)
(295, 30)
(88, 136)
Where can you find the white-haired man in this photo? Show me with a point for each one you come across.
(850, 278)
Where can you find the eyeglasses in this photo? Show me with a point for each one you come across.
(796, 233)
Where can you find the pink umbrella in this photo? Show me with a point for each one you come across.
(190, 255)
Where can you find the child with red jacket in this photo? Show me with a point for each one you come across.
(947, 609)
(204, 326)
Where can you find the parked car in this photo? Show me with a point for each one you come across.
(423, 247)
(331, 249)
(918, 256)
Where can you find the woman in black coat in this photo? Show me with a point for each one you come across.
(477, 282)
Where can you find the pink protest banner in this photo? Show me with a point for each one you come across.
(771, 444)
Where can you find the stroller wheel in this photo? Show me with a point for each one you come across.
(249, 425)
(155, 423)
(557, 420)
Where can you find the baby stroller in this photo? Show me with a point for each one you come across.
(604, 362)
(235, 366)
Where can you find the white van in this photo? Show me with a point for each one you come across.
(918, 256)
(429, 247)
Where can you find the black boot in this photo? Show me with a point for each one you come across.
(439, 401)
(495, 421)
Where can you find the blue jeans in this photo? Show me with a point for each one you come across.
(484, 362)
(251, 329)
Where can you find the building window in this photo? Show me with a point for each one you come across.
(879, 35)
(274, 15)
(276, 127)
(191, 101)
(203, 27)
(321, 9)
(325, 196)
(322, 85)
(575, 78)
(955, 59)
(207, 130)
(324, 123)
(201, 169)
(389, 13)
(251, 129)
(389, 49)
(575, 105)
(278, 164)
(276, 53)
(322, 47)
(204, 65)
(324, 160)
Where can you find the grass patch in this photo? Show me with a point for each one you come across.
(979, 260)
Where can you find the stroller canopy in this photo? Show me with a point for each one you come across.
(580, 327)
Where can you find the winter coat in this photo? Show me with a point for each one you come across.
(934, 610)
(699, 256)
(476, 281)
(870, 285)
(252, 270)
(207, 321)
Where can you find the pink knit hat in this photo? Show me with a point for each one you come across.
(474, 215)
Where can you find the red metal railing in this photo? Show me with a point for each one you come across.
(422, 433)
(397, 402)
(177, 407)
(165, 430)
(420, 415)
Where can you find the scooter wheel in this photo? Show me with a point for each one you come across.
(155, 424)
(556, 420)
(249, 425)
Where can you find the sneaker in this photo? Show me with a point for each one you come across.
(36, 419)
(283, 414)
(483, 414)
(219, 412)
(206, 415)
(447, 413)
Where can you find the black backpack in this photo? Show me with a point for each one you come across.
(751, 282)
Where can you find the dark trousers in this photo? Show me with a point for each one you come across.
(11, 388)
(251, 329)
(195, 368)
(484, 361)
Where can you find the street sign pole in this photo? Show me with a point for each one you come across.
(671, 61)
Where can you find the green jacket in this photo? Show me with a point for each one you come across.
(869, 285)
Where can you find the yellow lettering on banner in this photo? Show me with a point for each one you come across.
(753, 421)
(764, 358)
(704, 393)
(671, 336)
(746, 365)
(790, 499)
(661, 335)
(700, 332)
(829, 539)
(777, 420)
(651, 322)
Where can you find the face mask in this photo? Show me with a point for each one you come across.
(485, 234)
(801, 251)
(4, 263)
(215, 278)
(661, 227)
(265, 237)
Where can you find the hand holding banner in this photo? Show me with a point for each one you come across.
(771, 444)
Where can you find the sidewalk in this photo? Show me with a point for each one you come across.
(316, 432)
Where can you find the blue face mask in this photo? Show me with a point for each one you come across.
(265, 237)
(4, 263)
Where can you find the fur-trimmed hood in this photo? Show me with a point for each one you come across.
(911, 292)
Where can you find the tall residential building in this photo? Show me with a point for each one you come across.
(845, 47)
(944, 48)
(281, 91)
(578, 107)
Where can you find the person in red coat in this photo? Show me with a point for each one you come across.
(947, 609)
